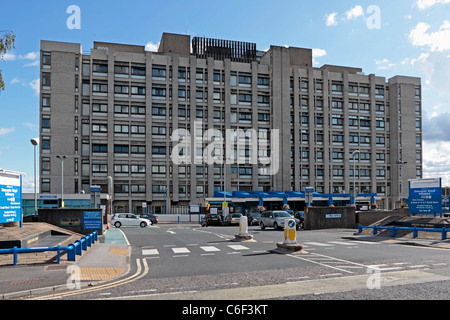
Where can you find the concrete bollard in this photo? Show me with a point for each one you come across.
(243, 225)
(290, 238)
(243, 230)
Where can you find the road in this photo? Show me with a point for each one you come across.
(189, 262)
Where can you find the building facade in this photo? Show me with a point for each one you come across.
(151, 121)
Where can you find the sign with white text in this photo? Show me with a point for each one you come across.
(10, 197)
(425, 196)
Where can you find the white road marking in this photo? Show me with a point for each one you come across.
(209, 249)
(180, 250)
(237, 247)
(150, 252)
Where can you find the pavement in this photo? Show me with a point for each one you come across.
(106, 260)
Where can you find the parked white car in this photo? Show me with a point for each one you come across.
(129, 219)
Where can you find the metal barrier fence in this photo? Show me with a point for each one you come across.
(72, 250)
(415, 230)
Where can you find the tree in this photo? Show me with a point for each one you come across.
(7, 42)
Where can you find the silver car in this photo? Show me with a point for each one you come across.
(275, 219)
(129, 219)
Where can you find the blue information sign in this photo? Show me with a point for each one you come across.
(10, 197)
(92, 219)
(425, 196)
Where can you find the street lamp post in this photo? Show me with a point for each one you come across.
(400, 162)
(62, 158)
(35, 143)
(354, 169)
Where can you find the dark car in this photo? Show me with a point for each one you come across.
(300, 215)
(253, 219)
(212, 220)
(149, 216)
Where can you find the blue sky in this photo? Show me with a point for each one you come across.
(413, 39)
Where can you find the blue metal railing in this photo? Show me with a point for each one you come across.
(415, 230)
(72, 250)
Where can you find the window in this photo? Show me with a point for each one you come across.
(137, 168)
(159, 111)
(336, 88)
(138, 90)
(46, 60)
(380, 123)
(99, 128)
(138, 188)
(337, 120)
(100, 67)
(418, 123)
(99, 169)
(138, 129)
(99, 87)
(45, 144)
(121, 188)
(159, 91)
(159, 71)
(121, 168)
(158, 189)
(97, 147)
(263, 100)
(46, 80)
(364, 91)
(364, 122)
(138, 71)
(245, 80)
(337, 104)
(45, 165)
(121, 128)
(45, 102)
(158, 150)
(100, 108)
(121, 69)
(159, 170)
(138, 149)
(159, 131)
(263, 82)
(45, 123)
(121, 148)
(45, 185)
(121, 109)
(121, 88)
(137, 110)
(245, 98)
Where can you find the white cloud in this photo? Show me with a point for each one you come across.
(317, 53)
(150, 46)
(35, 85)
(331, 19)
(15, 80)
(435, 41)
(384, 64)
(29, 56)
(424, 4)
(32, 126)
(354, 12)
(32, 64)
(8, 57)
(4, 131)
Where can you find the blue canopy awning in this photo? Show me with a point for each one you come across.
(241, 194)
(294, 194)
(219, 194)
(277, 194)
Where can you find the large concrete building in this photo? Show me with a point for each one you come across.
(114, 111)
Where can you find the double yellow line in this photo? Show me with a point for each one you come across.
(140, 272)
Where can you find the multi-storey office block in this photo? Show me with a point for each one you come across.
(121, 111)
